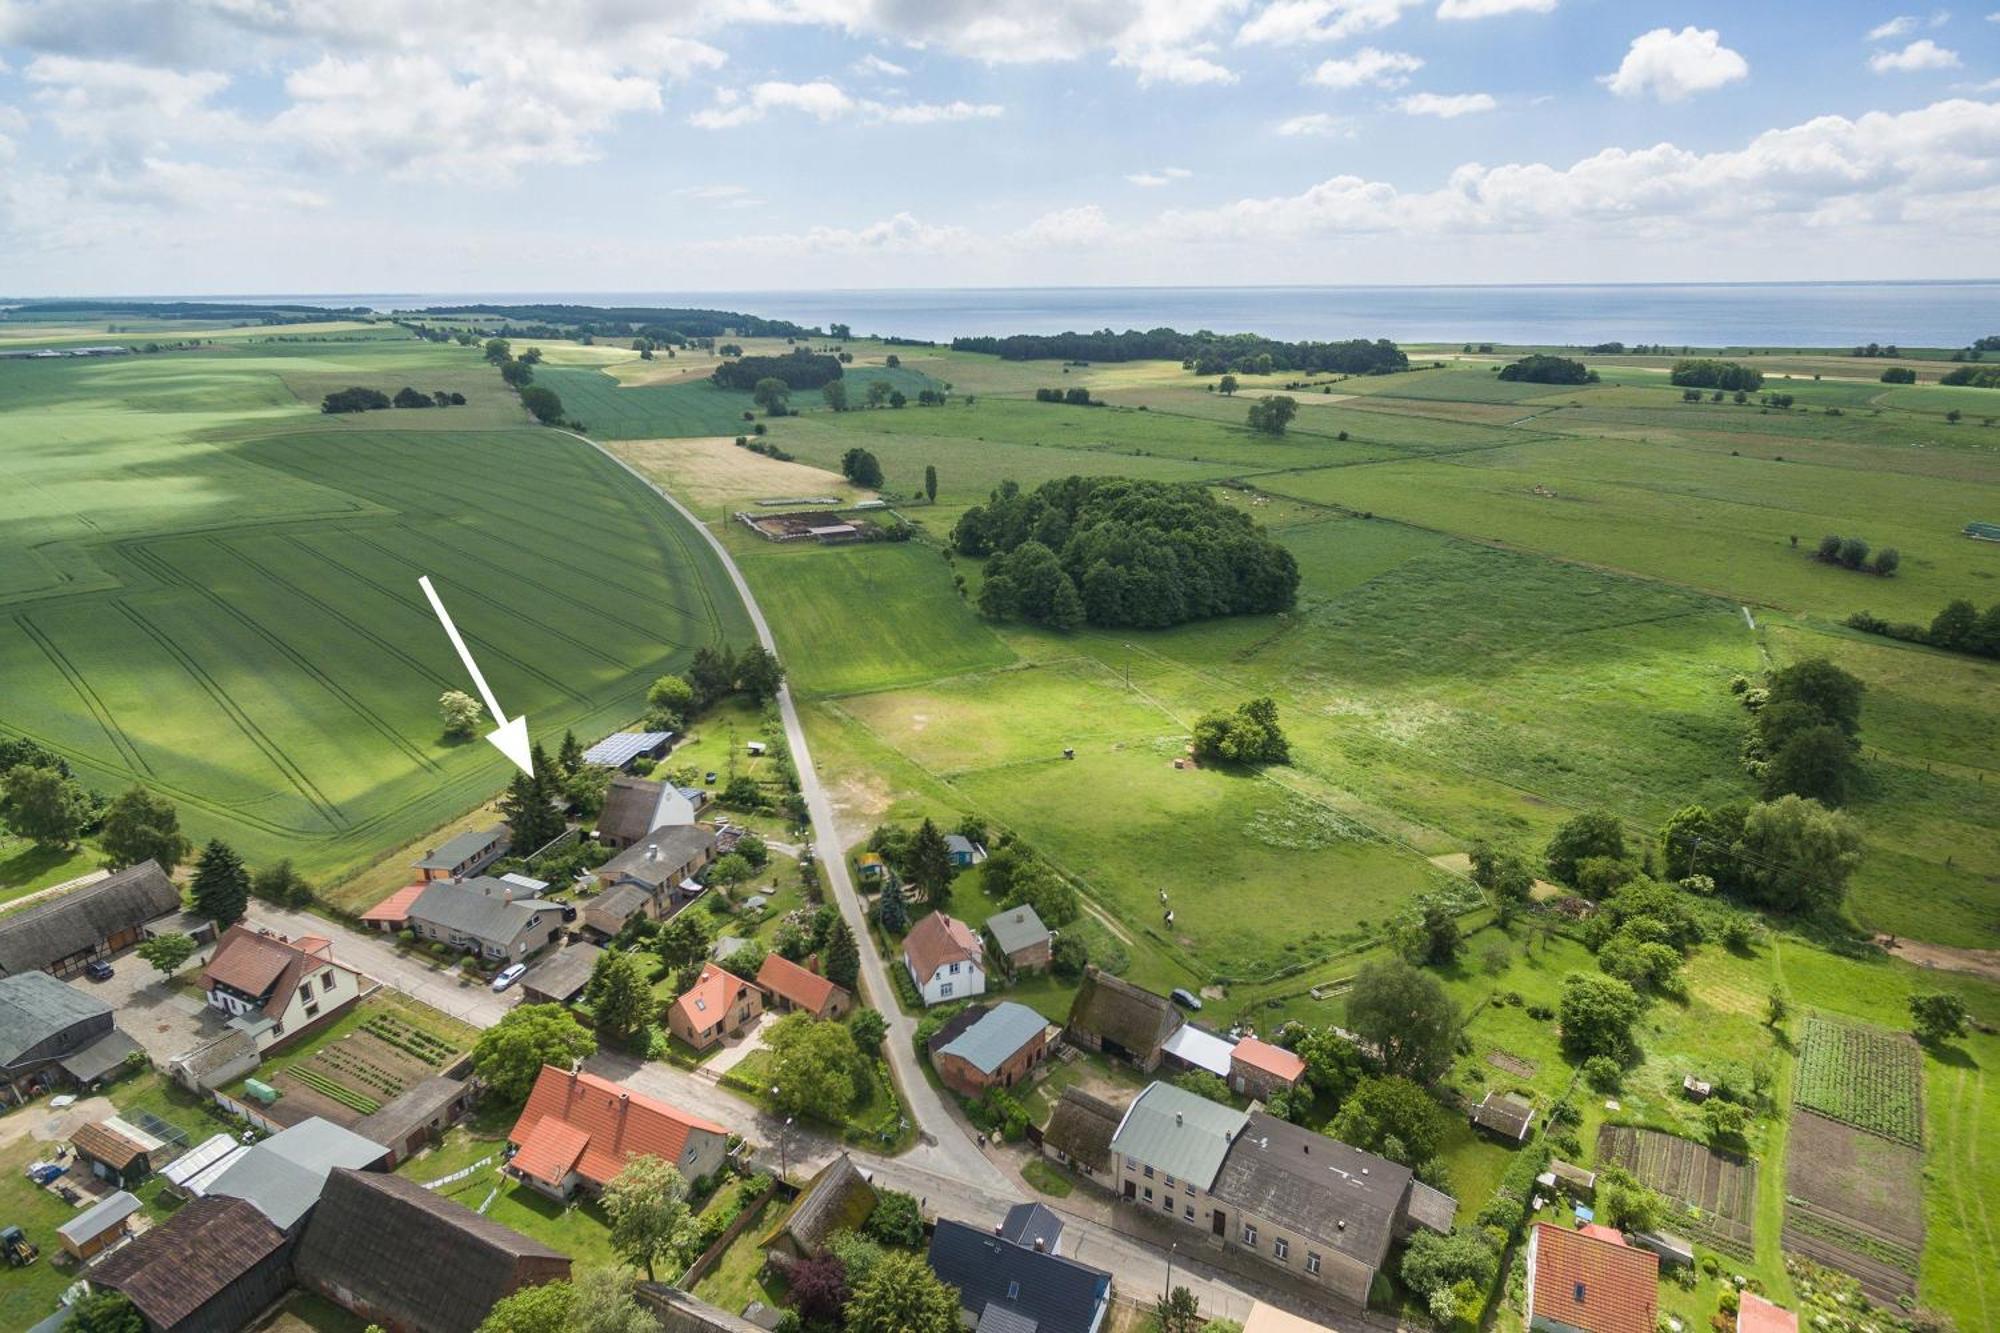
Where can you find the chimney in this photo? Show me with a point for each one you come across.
(652, 851)
(1040, 1245)
(999, 1229)
(1341, 1224)
(1177, 1117)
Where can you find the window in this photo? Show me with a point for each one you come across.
(1312, 1263)
(1167, 1202)
(1013, 1291)
(1168, 1182)
(1250, 1235)
(1190, 1189)
(945, 989)
(1131, 1164)
(1281, 1249)
(326, 979)
(312, 1010)
(1149, 1173)
(1149, 1194)
(1579, 1293)
(1190, 1212)
(306, 991)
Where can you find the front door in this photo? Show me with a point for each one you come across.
(1215, 1222)
(1131, 1191)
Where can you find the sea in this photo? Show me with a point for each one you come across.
(1740, 315)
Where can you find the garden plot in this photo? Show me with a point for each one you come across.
(356, 1075)
(1867, 1077)
(1854, 1201)
(1713, 1195)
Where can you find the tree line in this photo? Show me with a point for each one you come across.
(1203, 352)
(358, 399)
(662, 323)
(1704, 373)
(1977, 377)
(1852, 553)
(1960, 628)
(800, 369)
(1537, 368)
(542, 402)
(1113, 551)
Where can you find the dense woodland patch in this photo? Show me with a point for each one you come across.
(1204, 353)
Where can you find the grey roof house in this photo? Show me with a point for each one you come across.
(1020, 937)
(1008, 1288)
(634, 807)
(64, 933)
(662, 859)
(498, 919)
(1178, 1135)
(466, 854)
(49, 1028)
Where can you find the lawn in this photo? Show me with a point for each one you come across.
(739, 1276)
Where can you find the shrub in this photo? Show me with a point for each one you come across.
(1602, 1073)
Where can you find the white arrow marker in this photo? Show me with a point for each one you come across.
(510, 737)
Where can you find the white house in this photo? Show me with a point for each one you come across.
(944, 959)
(275, 988)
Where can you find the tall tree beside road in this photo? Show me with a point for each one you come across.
(143, 826)
(510, 1054)
(221, 884)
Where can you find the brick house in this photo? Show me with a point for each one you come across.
(989, 1048)
(1259, 1069)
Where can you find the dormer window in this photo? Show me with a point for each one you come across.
(1579, 1293)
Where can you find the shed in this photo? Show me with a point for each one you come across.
(98, 1227)
(1504, 1116)
(838, 1198)
(416, 1117)
(210, 1268)
(1570, 1179)
(1079, 1131)
(1021, 938)
(1669, 1247)
(621, 748)
(1697, 1090)
(189, 1174)
(560, 977)
(1198, 1048)
(108, 1054)
(117, 1150)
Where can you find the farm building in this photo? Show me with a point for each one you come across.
(989, 1048)
(416, 1117)
(116, 1150)
(1020, 938)
(1590, 1282)
(662, 861)
(942, 956)
(787, 986)
(1116, 1018)
(963, 851)
(1079, 1131)
(1754, 1314)
(283, 1175)
(826, 527)
(1196, 1048)
(634, 807)
(63, 934)
(466, 854)
(717, 1006)
(277, 989)
(393, 912)
(1005, 1286)
(215, 1063)
(1259, 1069)
(212, 1267)
(837, 1198)
(561, 976)
(1570, 1179)
(189, 1174)
(391, 1252)
(622, 749)
(98, 1227)
(677, 1311)
(50, 1031)
(1504, 1116)
(579, 1130)
(491, 917)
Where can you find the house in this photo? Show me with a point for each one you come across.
(405, 1258)
(989, 1048)
(465, 855)
(490, 917)
(718, 1005)
(963, 851)
(579, 1130)
(1258, 1069)
(634, 807)
(1504, 1116)
(283, 1175)
(212, 1267)
(49, 1031)
(1079, 1132)
(98, 1227)
(1006, 1288)
(1754, 1314)
(416, 1117)
(1589, 1281)
(664, 864)
(393, 912)
(837, 1198)
(116, 1150)
(61, 935)
(622, 749)
(1270, 1319)
(1118, 1019)
(1198, 1049)
(1020, 939)
(787, 986)
(943, 958)
(274, 988)
(1168, 1148)
(561, 976)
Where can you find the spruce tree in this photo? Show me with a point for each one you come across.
(569, 758)
(930, 865)
(221, 884)
(893, 911)
(842, 958)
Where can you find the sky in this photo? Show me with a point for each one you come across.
(268, 146)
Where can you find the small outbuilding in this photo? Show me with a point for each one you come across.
(98, 1227)
(1020, 939)
(463, 855)
(1079, 1132)
(1570, 1179)
(838, 1198)
(1504, 1116)
(1259, 1069)
(561, 976)
(116, 1150)
(417, 1117)
(996, 1048)
(624, 748)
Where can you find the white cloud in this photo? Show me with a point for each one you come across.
(1065, 229)
(1484, 9)
(1990, 86)
(721, 195)
(1291, 22)
(1317, 124)
(12, 122)
(1896, 27)
(126, 108)
(876, 65)
(1155, 179)
(1921, 54)
(825, 101)
(1447, 106)
(900, 234)
(1383, 69)
(1188, 67)
(1671, 65)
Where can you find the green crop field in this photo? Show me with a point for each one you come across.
(210, 588)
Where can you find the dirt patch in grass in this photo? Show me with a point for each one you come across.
(1512, 1064)
(1854, 1201)
(1713, 1194)
(710, 472)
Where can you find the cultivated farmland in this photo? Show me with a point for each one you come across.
(1863, 1076)
(1714, 1194)
(1854, 1201)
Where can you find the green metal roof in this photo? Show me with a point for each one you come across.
(1177, 1133)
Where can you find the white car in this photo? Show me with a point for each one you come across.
(509, 976)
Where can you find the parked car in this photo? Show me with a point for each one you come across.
(509, 976)
(1185, 998)
(98, 970)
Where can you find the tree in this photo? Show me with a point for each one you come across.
(892, 910)
(518, 374)
(1937, 1016)
(1954, 626)
(1887, 560)
(619, 996)
(1407, 1016)
(509, 1055)
(878, 392)
(221, 884)
(818, 1285)
(105, 1311)
(1227, 385)
(758, 673)
(835, 393)
(902, 1295)
(1250, 735)
(1203, 1084)
(1817, 762)
(543, 403)
(930, 483)
(544, 1309)
(669, 700)
(930, 865)
(1776, 1007)
(647, 1204)
(842, 957)
(897, 398)
(773, 395)
(1593, 833)
(1797, 855)
(167, 952)
(861, 467)
(1624, 1203)
(461, 713)
(1394, 1117)
(1724, 1121)
(1069, 957)
(681, 940)
(1506, 876)
(1597, 1014)
(813, 1065)
(869, 1029)
(1429, 932)
(1177, 1312)
(528, 807)
(712, 672)
(1333, 1063)
(1053, 897)
(141, 826)
(1435, 1263)
(1833, 694)
(896, 1221)
(1272, 413)
(499, 350)
(43, 803)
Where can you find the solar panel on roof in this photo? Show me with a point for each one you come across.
(619, 750)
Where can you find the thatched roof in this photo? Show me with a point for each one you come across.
(1081, 1127)
(81, 919)
(839, 1198)
(392, 1250)
(1117, 1011)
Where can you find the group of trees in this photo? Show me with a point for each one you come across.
(1250, 735)
(861, 467)
(1110, 551)
(1073, 397)
(713, 675)
(921, 857)
(1538, 368)
(1899, 375)
(1203, 352)
(1852, 553)
(1272, 413)
(1960, 628)
(674, 325)
(1977, 377)
(359, 399)
(797, 369)
(1802, 739)
(40, 798)
(1704, 373)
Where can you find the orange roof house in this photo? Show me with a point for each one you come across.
(393, 912)
(786, 985)
(1585, 1281)
(1260, 1069)
(579, 1129)
(1754, 1314)
(275, 988)
(719, 1004)
(943, 957)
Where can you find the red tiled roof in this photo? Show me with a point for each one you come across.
(1754, 1314)
(710, 996)
(617, 1124)
(1271, 1059)
(396, 907)
(1610, 1235)
(1591, 1284)
(264, 965)
(806, 989)
(939, 939)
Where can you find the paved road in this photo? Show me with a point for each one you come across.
(376, 955)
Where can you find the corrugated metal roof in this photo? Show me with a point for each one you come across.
(462, 848)
(1004, 1029)
(99, 1218)
(1178, 1133)
(618, 750)
(1202, 1049)
(35, 1007)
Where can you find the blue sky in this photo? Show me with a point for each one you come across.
(578, 145)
